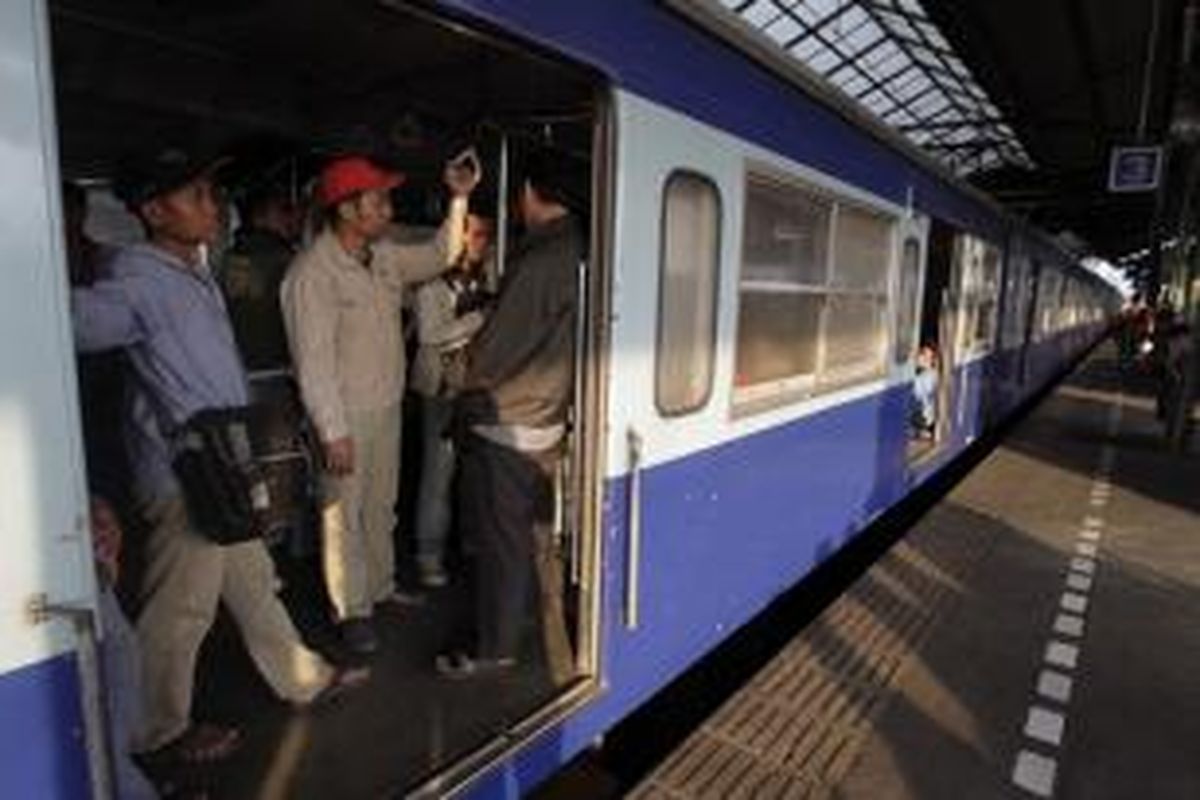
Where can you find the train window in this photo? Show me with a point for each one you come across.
(988, 297)
(910, 283)
(785, 268)
(1016, 303)
(813, 293)
(981, 291)
(856, 324)
(691, 245)
(862, 250)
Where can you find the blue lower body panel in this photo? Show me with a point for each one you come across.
(726, 530)
(42, 748)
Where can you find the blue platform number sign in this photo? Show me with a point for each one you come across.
(1135, 169)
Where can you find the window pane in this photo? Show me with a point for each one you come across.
(687, 299)
(854, 332)
(906, 318)
(777, 336)
(863, 250)
(786, 234)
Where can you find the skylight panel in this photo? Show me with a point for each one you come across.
(850, 80)
(762, 13)
(889, 57)
(786, 30)
(824, 60)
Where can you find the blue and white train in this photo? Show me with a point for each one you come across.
(765, 265)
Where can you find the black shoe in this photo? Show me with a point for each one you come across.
(358, 635)
(460, 666)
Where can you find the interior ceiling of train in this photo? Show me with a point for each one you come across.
(326, 76)
(1025, 98)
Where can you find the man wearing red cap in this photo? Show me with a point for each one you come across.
(342, 300)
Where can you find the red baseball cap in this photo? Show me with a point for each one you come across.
(347, 176)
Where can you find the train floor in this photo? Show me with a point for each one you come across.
(406, 723)
(1035, 634)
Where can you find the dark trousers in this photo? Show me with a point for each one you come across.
(507, 503)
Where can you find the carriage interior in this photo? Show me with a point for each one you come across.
(281, 86)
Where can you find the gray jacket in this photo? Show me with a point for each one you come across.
(520, 367)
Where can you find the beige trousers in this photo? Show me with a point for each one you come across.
(358, 516)
(186, 577)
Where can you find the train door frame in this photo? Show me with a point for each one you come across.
(941, 274)
(1029, 324)
(913, 227)
(580, 503)
(51, 580)
(583, 505)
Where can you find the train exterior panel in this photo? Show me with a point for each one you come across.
(735, 508)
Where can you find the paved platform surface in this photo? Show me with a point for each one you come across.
(1036, 634)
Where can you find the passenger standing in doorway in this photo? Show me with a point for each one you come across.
(342, 303)
(263, 247)
(449, 311)
(511, 419)
(162, 304)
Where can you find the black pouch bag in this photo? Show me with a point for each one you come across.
(223, 484)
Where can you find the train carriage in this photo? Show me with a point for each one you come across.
(764, 267)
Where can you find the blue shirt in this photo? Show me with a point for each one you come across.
(171, 318)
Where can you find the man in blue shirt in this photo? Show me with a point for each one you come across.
(163, 306)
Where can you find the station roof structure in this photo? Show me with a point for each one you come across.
(1025, 98)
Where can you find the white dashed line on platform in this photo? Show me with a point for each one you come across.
(1035, 773)
(1061, 654)
(1080, 583)
(1055, 686)
(1045, 725)
(1086, 565)
(1068, 625)
(1072, 601)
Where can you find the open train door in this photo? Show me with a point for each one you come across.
(48, 672)
(938, 330)
(913, 237)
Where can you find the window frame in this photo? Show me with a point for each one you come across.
(912, 335)
(771, 394)
(714, 301)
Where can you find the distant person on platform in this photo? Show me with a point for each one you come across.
(342, 302)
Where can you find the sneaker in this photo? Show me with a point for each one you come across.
(433, 576)
(460, 666)
(358, 635)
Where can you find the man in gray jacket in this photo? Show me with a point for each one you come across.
(511, 424)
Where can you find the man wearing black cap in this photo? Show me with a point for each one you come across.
(511, 417)
(162, 304)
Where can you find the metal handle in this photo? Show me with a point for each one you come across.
(634, 442)
(95, 716)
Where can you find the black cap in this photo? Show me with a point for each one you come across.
(153, 173)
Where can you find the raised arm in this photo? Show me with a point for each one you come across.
(419, 262)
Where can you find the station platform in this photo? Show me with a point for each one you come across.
(1035, 634)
